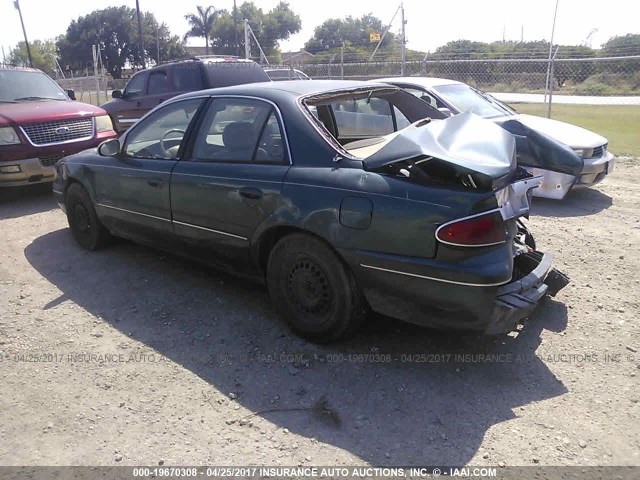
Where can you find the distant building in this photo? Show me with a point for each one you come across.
(297, 58)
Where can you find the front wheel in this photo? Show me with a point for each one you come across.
(83, 220)
(315, 293)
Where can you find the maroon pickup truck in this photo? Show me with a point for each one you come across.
(40, 123)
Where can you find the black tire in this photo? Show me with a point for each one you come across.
(315, 293)
(529, 240)
(83, 220)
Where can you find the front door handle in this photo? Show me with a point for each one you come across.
(138, 104)
(155, 182)
(251, 192)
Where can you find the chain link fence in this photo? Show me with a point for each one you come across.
(89, 88)
(593, 76)
(615, 77)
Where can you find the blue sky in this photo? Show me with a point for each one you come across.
(429, 23)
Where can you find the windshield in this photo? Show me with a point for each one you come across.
(20, 85)
(468, 99)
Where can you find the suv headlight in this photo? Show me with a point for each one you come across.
(584, 153)
(103, 123)
(9, 136)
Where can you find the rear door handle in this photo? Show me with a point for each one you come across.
(251, 192)
(155, 182)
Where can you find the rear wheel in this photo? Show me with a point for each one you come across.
(316, 294)
(83, 220)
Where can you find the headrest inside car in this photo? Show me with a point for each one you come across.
(239, 135)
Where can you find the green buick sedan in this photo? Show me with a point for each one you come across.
(343, 197)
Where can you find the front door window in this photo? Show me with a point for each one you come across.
(160, 135)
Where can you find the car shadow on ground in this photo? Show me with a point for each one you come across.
(22, 201)
(432, 403)
(578, 203)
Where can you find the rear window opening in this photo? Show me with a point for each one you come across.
(352, 116)
(426, 170)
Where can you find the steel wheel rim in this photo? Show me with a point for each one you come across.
(81, 217)
(309, 289)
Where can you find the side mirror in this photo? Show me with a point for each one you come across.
(116, 94)
(71, 94)
(445, 111)
(109, 148)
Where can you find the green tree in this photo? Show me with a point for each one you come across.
(43, 52)
(332, 32)
(622, 46)
(201, 24)
(115, 31)
(269, 28)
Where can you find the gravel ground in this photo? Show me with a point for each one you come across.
(129, 356)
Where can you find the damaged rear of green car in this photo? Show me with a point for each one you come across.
(341, 196)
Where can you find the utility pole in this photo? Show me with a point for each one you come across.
(404, 40)
(94, 54)
(247, 43)
(342, 61)
(140, 33)
(16, 4)
(158, 45)
(235, 27)
(551, 57)
(385, 33)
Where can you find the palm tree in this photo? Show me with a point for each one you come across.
(201, 24)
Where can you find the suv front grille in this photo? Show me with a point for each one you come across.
(50, 160)
(61, 131)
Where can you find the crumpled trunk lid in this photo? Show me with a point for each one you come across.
(466, 142)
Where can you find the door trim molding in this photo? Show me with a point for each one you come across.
(210, 230)
(135, 213)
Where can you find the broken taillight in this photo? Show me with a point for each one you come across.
(476, 231)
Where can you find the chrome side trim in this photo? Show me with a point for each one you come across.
(135, 213)
(210, 230)
(424, 277)
(141, 170)
(57, 191)
(214, 177)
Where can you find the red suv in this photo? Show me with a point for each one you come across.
(39, 124)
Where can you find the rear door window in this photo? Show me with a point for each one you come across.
(240, 130)
(158, 83)
(226, 73)
(187, 77)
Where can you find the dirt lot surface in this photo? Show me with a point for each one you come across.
(130, 356)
